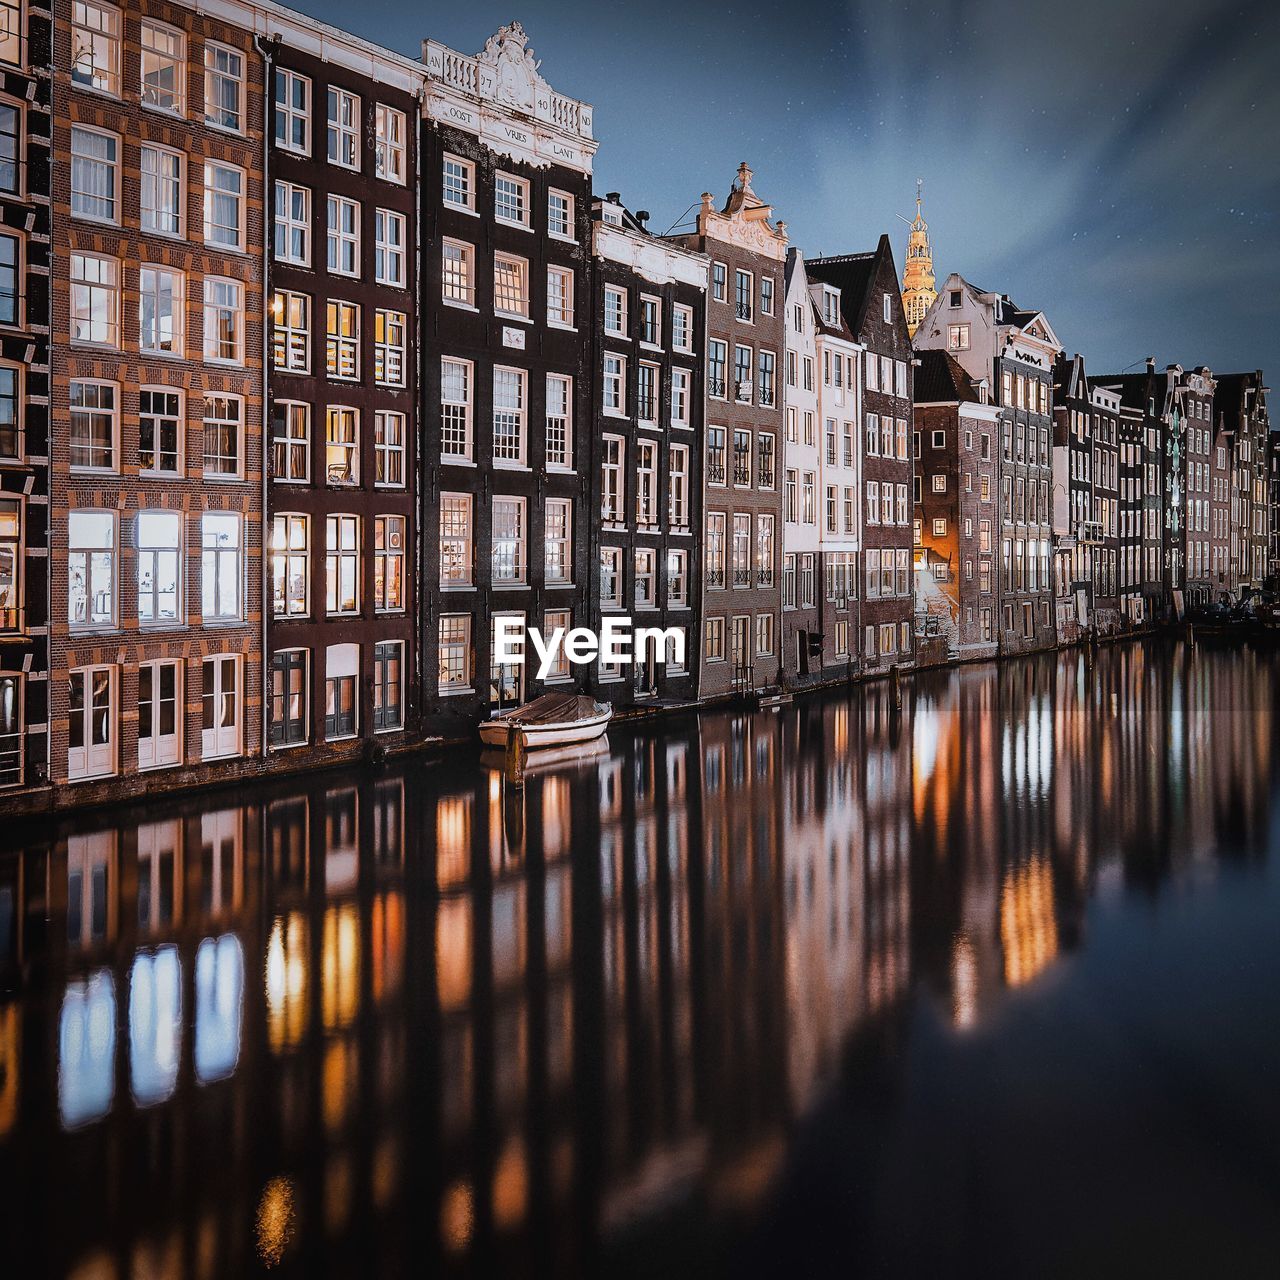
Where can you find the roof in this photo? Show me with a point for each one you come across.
(854, 274)
(941, 379)
(1133, 387)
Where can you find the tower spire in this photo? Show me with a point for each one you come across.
(918, 290)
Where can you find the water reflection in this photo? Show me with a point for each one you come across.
(424, 1016)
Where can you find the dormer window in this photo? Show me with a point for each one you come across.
(955, 297)
(613, 215)
(831, 306)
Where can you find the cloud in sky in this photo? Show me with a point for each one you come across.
(1113, 162)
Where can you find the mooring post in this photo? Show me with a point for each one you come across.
(895, 686)
(517, 754)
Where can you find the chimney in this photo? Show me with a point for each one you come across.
(613, 197)
(1151, 364)
(642, 217)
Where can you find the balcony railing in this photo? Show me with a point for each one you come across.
(744, 310)
(742, 577)
(742, 472)
(764, 577)
(715, 577)
(647, 408)
(715, 471)
(716, 387)
(766, 397)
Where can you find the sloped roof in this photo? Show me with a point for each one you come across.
(941, 379)
(853, 274)
(1133, 387)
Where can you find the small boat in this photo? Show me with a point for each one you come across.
(553, 720)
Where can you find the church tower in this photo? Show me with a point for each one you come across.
(918, 292)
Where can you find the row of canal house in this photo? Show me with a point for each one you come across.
(319, 364)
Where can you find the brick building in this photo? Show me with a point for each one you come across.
(1243, 426)
(506, 209)
(871, 305)
(957, 476)
(1015, 348)
(25, 125)
(342, 631)
(157, 370)
(743, 518)
(648, 320)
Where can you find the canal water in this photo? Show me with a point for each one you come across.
(986, 987)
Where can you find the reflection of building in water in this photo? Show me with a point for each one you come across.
(507, 1029)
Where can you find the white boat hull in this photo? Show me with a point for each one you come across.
(494, 733)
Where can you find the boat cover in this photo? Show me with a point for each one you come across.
(553, 708)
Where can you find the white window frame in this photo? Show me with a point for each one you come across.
(80, 159)
(158, 750)
(457, 413)
(517, 290)
(292, 414)
(559, 422)
(214, 76)
(342, 128)
(291, 332)
(289, 114)
(519, 558)
(225, 738)
(390, 248)
(147, 555)
(457, 541)
(342, 236)
(154, 59)
(90, 759)
(213, 170)
(519, 203)
(153, 215)
(343, 556)
(554, 194)
(214, 558)
(389, 449)
(458, 175)
(233, 307)
(458, 274)
(504, 455)
(390, 144)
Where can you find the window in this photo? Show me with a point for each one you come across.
(743, 290)
(455, 410)
(888, 312)
(558, 542)
(678, 486)
(509, 415)
(717, 370)
(682, 328)
(388, 704)
(458, 283)
(389, 348)
(159, 714)
(764, 551)
(646, 579)
(290, 565)
(646, 484)
(159, 431)
(342, 341)
(388, 564)
(681, 384)
(344, 128)
(220, 566)
(940, 483)
(222, 421)
(160, 195)
(808, 497)
(342, 565)
(293, 111)
(510, 285)
(612, 458)
(615, 311)
(389, 144)
(220, 707)
(766, 295)
(11, 442)
(95, 46)
(559, 420)
(95, 300)
(560, 296)
(224, 197)
(223, 87)
(615, 385)
(742, 459)
(158, 536)
(92, 696)
(764, 634)
(95, 175)
(715, 549)
(459, 183)
(91, 568)
(291, 332)
(343, 236)
(647, 393)
(455, 653)
(223, 321)
(292, 226)
(511, 199)
(388, 449)
(93, 425)
(650, 320)
(764, 460)
(289, 697)
(163, 67)
(713, 640)
(12, 132)
(508, 541)
(742, 374)
(677, 579)
(767, 364)
(389, 248)
(741, 550)
(342, 446)
(611, 577)
(456, 556)
(716, 462)
(160, 311)
(560, 214)
(290, 441)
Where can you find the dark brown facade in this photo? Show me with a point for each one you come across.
(342, 513)
(956, 514)
(648, 398)
(156, 401)
(506, 318)
(24, 406)
(746, 342)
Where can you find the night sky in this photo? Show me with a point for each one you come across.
(1115, 163)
